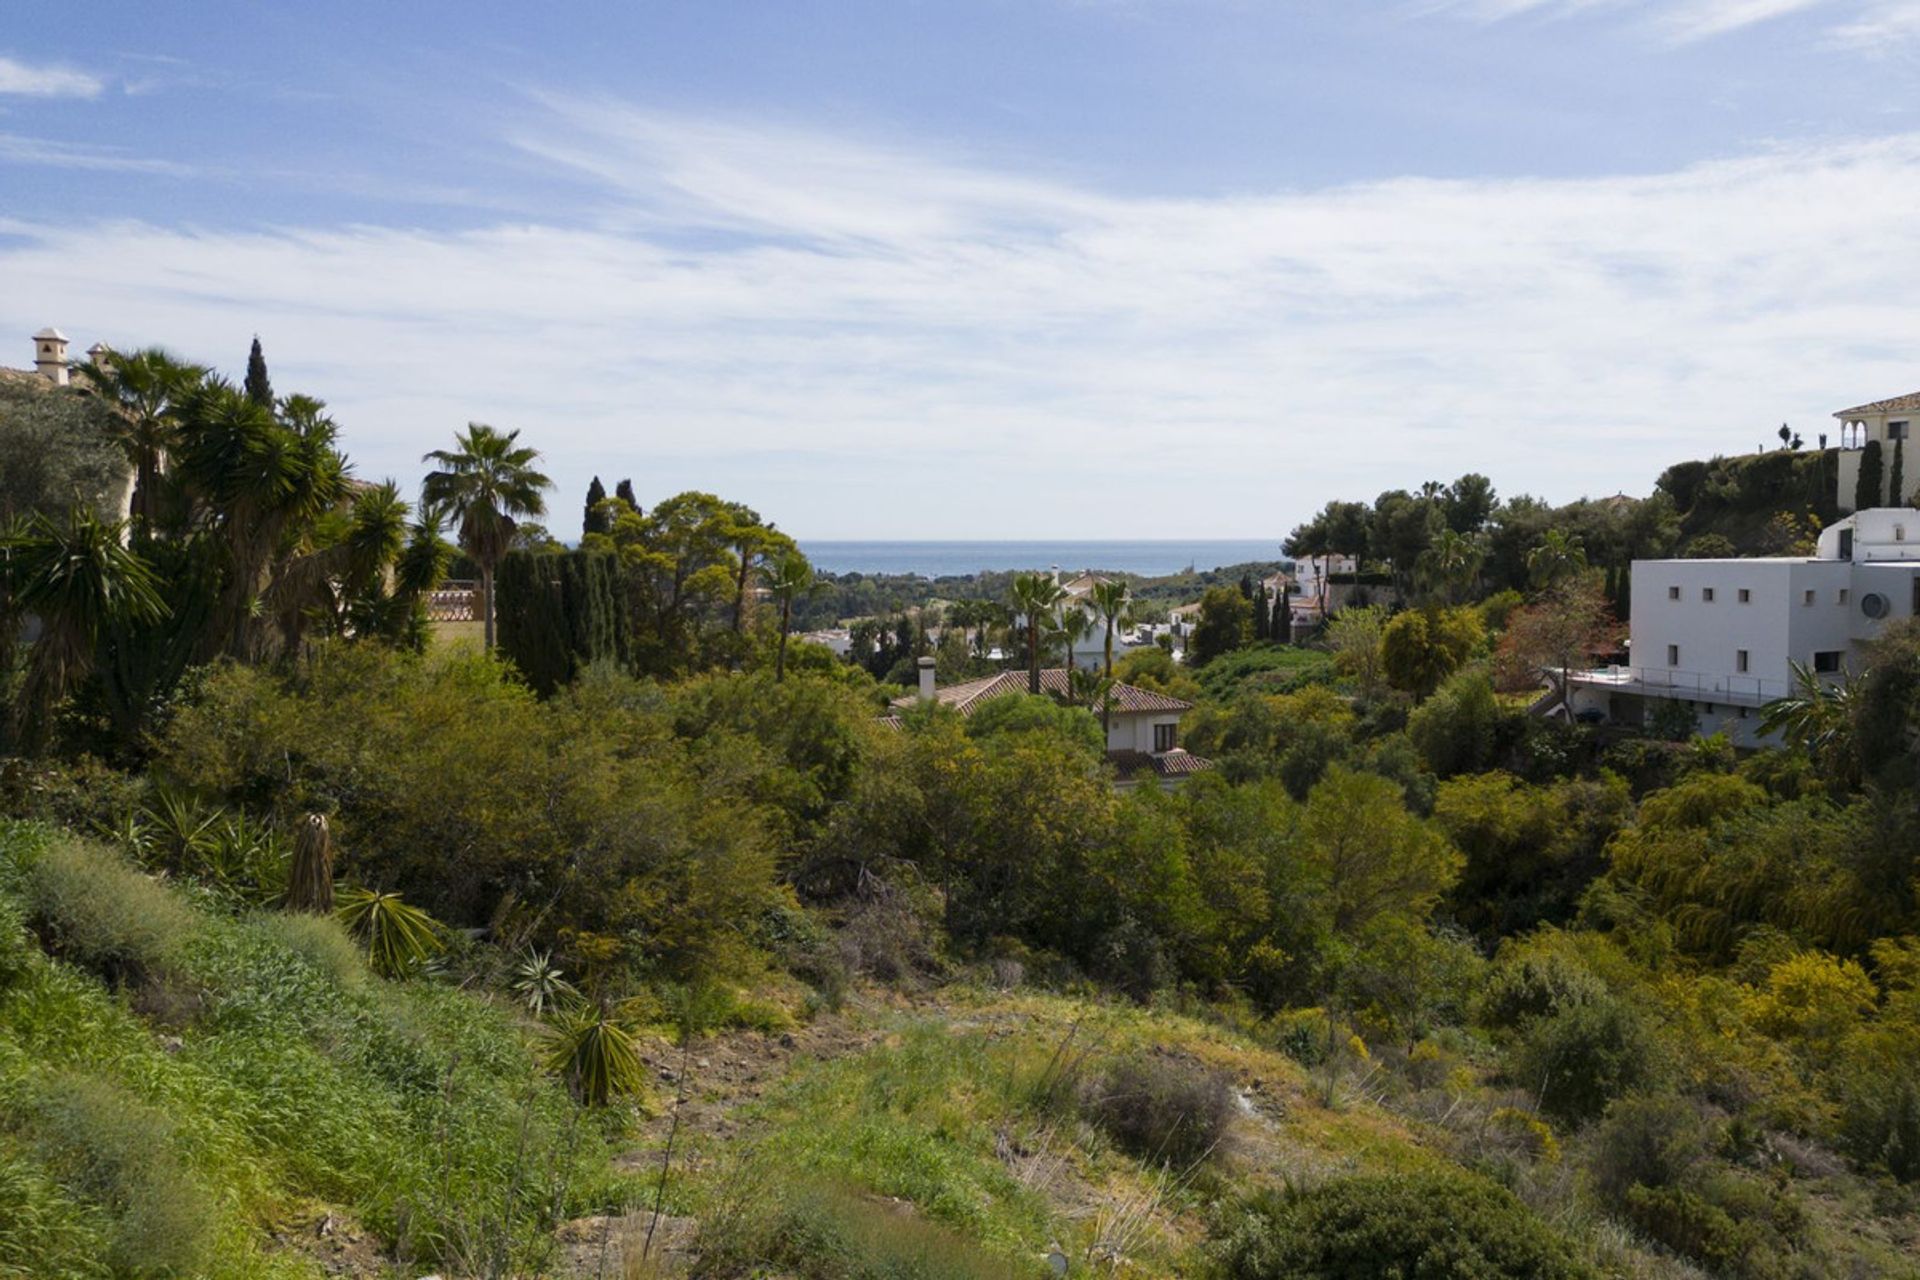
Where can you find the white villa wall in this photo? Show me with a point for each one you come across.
(1133, 730)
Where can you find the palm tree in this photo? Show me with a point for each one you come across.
(147, 387)
(1451, 563)
(1035, 595)
(1073, 625)
(256, 485)
(1818, 714)
(1111, 600)
(789, 577)
(77, 576)
(486, 483)
(1558, 555)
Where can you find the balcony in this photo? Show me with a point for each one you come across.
(1669, 682)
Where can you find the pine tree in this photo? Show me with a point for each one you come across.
(1867, 489)
(259, 390)
(1896, 486)
(624, 492)
(596, 520)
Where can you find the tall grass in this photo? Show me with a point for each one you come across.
(419, 1109)
(827, 1231)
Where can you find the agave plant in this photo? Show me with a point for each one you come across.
(399, 937)
(594, 1051)
(539, 983)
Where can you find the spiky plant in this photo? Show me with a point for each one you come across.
(540, 984)
(310, 881)
(399, 937)
(594, 1052)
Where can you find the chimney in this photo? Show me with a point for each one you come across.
(99, 353)
(50, 356)
(926, 679)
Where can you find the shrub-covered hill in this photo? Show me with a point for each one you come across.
(187, 1092)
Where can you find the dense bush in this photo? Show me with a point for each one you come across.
(1162, 1109)
(1415, 1226)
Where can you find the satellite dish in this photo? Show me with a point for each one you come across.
(1874, 605)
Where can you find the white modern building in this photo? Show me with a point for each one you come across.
(1720, 636)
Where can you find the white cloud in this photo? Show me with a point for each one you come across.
(16, 149)
(872, 340)
(47, 81)
(1857, 23)
(1881, 26)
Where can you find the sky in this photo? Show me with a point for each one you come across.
(993, 268)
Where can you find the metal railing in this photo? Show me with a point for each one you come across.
(1703, 686)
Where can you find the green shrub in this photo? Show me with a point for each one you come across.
(1645, 1142)
(1162, 1109)
(96, 911)
(1418, 1226)
(1583, 1057)
(122, 1155)
(827, 1232)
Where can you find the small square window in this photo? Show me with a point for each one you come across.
(1827, 661)
(1899, 533)
(1740, 660)
(1808, 598)
(1706, 595)
(1163, 737)
(1673, 593)
(1841, 596)
(1673, 655)
(1746, 596)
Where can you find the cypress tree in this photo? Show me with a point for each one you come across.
(1896, 487)
(596, 520)
(1281, 628)
(624, 492)
(259, 390)
(1868, 488)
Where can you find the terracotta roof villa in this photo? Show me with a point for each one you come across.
(1142, 737)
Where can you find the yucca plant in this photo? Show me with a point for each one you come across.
(594, 1051)
(399, 937)
(539, 983)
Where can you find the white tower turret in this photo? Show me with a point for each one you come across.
(98, 353)
(50, 356)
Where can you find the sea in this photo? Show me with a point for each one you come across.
(1151, 558)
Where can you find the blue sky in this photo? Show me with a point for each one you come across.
(1008, 268)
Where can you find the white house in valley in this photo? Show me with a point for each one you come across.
(1719, 636)
(1143, 733)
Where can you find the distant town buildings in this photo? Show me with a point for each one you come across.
(1143, 727)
